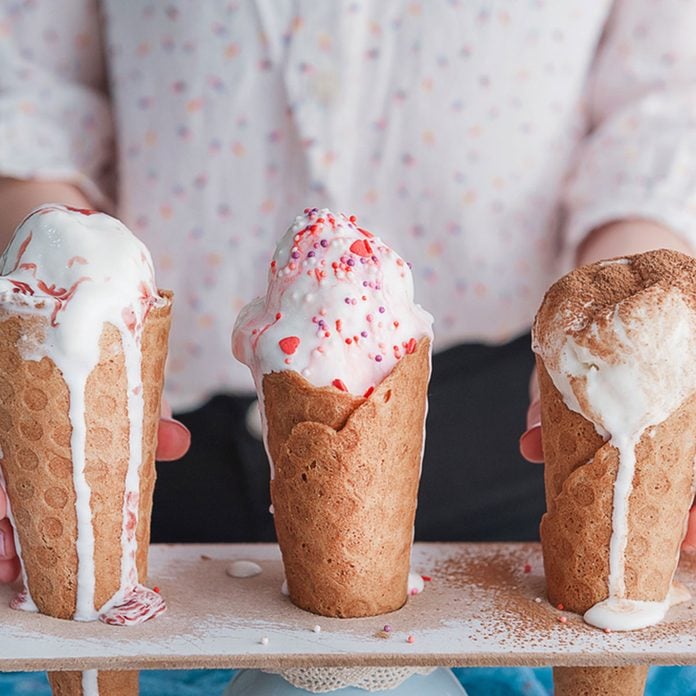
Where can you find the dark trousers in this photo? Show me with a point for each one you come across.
(474, 485)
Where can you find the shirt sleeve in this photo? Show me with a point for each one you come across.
(55, 119)
(639, 158)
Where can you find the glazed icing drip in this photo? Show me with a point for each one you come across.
(56, 253)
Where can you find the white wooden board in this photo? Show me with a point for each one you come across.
(478, 609)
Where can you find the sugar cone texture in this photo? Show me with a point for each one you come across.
(346, 472)
(35, 433)
(109, 683)
(599, 681)
(580, 470)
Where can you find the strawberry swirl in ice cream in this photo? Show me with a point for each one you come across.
(339, 308)
(81, 270)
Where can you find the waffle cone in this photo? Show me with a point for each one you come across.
(580, 469)
(599, 681)
(109, 683)
(35, 436)
(346, 472)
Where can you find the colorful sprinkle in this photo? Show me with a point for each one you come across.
(527, 568)
(289, 344)
(368, 392)
(563, 619)
(317, 628)
(410, 639)
(387, 628)
(264, 641)
(339, 385)
(361, 247)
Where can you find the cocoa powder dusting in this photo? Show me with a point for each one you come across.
(590, 293)
(513, 579)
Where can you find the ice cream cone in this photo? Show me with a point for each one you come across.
(609, 340)
(344, 487)
(83, 683)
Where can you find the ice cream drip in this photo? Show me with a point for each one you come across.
(624, 366)
(82, 270)
(339, 308)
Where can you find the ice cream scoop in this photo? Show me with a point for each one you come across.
(82, 268)
(339, 307)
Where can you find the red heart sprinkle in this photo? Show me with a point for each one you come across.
(289, 344)
(411, 346)
(361, 247)
(339, 385)
(368, 392)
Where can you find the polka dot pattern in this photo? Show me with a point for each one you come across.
(458, 130)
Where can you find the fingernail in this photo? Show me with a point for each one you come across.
(530, 430)
(178, 424)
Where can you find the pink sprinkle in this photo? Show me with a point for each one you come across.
(527, 568)
(410, 639)
(563, 619)
(378, 358)
(387, 628)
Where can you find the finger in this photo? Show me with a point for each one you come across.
(165, 409)
(3, 504)
(689, 543)
(173, 440)
(530, 445)
(7, 546)
(534, 386)
(9, 570)
(534, 414)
